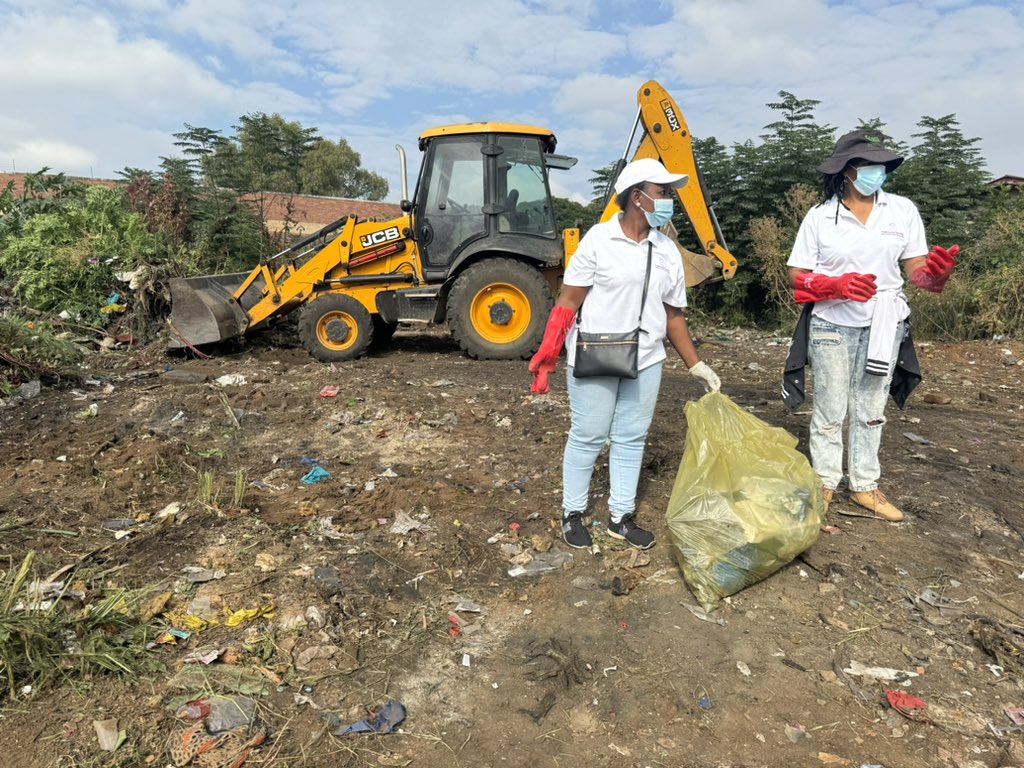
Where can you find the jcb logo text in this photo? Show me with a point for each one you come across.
(376, 238)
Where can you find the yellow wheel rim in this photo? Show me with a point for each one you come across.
(337, 331)
(500, 313)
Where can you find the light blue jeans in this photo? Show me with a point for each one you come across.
(843, 390)
(608, 409)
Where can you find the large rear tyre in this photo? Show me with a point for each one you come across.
(498, 308)
(335, 327)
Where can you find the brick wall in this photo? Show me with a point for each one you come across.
(308, 213)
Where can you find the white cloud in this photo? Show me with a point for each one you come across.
(34, 155)
(106, 82)
(90, 91)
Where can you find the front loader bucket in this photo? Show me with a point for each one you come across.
(204, 310)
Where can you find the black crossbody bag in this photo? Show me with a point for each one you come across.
(610, 354)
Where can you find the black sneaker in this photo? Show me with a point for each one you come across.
(627, 530)
(575, 532)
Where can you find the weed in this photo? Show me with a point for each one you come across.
(44, 637)
(30, 349)
(209, 492)
(241, 483)
(212, 453)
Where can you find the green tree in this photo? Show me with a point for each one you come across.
(333, 168)
(41, 192)
(266, 154)
(792, 150)
(945, 177)
(600, 185)
(569, 213)
(227, 232)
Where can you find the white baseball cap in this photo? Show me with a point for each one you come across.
(648, 169)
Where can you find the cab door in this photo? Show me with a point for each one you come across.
(451, 201)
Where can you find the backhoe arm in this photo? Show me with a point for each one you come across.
(667, 138)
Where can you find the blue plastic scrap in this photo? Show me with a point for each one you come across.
(386, 721)
(309, 462)
(316, 475)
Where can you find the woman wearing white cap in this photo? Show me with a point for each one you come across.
(609, 278)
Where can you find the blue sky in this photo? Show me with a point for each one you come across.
(90, 87)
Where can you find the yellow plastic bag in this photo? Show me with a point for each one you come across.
(745, 501)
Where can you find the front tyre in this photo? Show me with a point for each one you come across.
(498, 308)
(335, 327)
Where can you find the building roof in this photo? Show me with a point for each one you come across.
(1013, 181)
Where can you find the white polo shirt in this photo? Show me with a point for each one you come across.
(830, 246)
(613, 266)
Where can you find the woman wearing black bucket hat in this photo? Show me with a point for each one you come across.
(845, 262)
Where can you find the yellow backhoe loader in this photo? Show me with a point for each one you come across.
(477, 248)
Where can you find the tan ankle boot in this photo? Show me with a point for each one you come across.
(876, 502)
(827, 493)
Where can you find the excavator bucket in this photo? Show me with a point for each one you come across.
(697, 268)
(204, 310)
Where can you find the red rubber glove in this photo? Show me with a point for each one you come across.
(853, 286)
(543, 363)
(933, 275)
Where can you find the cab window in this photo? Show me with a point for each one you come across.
(521, 181)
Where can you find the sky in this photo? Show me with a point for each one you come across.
(90, 87)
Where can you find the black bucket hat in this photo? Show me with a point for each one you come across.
(864, 144)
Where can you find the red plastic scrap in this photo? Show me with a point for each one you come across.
(904, 703)
(514, 527)
(329, 391)
(455, 630)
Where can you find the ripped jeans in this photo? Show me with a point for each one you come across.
(842, 389)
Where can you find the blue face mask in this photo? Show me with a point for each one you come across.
(870, 179)
(662, 213)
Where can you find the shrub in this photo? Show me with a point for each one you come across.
(66, 260)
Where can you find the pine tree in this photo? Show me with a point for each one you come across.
(945, 177)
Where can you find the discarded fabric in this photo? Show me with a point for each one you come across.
(386, 721)
(316, 475)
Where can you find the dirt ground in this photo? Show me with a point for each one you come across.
(445, 476)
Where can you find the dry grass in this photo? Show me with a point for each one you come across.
(772, 240)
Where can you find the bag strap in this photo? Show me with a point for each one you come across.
(643, 300)
(647, 281)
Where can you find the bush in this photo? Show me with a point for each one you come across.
(985, 295)
(66, 260)
(771, 242)
(29, 350)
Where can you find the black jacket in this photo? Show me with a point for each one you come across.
(905, 377)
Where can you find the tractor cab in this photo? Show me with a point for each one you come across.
(483, 187)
